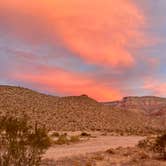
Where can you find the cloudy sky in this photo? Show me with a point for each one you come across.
(103, 48)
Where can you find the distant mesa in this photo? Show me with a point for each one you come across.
(148, 104)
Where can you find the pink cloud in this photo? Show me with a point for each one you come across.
(64, 82)
(155, 86)
(100, 32)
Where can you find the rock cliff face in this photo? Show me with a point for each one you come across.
(148, 104)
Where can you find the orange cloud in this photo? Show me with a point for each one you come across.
(57, 80)
(100, 32)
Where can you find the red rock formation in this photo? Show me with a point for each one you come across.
(150, 105)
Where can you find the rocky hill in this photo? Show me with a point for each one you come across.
(149, 105)
(74, 112)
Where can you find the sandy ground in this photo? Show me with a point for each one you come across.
(97, 144)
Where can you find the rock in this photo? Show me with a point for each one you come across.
(150, 105)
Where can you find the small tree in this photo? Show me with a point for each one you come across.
(20, 144)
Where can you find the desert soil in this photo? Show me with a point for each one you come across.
(100, 143)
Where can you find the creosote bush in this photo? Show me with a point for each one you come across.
(55, 134)
(62, 140)
(20, 143)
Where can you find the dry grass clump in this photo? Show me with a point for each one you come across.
(98, 157)
(110, 151)
(140, 155)
(65, 139)
(55, 134)
(75, 161)
(74, 138)
(62, 139)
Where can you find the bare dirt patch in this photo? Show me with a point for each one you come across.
(100, 143)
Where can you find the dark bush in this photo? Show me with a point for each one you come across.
(84, 134)
(21, 144)
(160, 145)
(55, 134)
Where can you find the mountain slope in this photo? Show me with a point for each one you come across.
(73, 113)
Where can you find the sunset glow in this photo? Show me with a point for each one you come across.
(103, 48)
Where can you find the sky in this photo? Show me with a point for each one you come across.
(106, 49)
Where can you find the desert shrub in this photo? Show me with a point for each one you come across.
(55, 134)
(110, 151)
(21, 144)
(74, 139)
(84, 134)
(147, 143)
(155, 144)
(89, 164)
(98, 157)
(160, 145)
(144, 144)
(62, 140)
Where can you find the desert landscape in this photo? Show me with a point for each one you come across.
(85, 132)
(82, 83)
(82, 113)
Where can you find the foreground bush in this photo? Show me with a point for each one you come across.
(20, 144)
(155, 144)
(160, 145)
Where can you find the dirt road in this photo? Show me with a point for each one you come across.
(100, 143)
